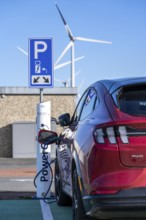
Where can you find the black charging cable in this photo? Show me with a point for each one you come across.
(47, 164)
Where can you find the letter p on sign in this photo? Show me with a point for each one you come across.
(39, 47)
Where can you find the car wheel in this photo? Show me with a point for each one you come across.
(61, 198)
(77, 203)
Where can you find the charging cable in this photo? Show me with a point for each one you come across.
(47, 165)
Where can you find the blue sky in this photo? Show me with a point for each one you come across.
(121, 21)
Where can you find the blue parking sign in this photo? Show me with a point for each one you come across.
(41, 69)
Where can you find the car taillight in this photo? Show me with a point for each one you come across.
(99, 136)
(110, 133)
(101, 133)
(123, 134)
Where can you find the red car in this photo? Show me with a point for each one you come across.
(101, 157)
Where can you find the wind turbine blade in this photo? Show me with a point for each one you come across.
(64, 51)
(65, 24)
(79, 88)
(23, 51)
(66, 63)
(79, 58)
(92, 40)
(61, 15)
(81, 84)
(61, 65)
(57, 80)
(76, 74)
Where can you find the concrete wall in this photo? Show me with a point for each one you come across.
(19, 104)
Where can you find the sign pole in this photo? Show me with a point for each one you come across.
(41, 95)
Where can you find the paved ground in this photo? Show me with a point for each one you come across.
(16, 178)
(20, 209)
(17, 192)
(62, 213)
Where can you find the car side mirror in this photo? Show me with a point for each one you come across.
(64, 120)
(47, 137)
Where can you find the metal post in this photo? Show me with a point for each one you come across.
(41, 95)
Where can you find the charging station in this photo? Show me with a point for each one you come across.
(41, 71)
(43, 151)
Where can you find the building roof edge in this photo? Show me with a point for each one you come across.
(36, 91)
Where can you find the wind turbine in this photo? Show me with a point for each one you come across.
(71, 45)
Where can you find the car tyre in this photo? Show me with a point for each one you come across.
(61, 198)
(77, 203)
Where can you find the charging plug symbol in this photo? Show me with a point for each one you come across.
(37, 66)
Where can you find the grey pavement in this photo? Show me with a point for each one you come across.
(16, 177)
(17, 192)
(20, 209)
(17, 162)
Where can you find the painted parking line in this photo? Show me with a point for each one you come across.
(47, 215)
(21, 180)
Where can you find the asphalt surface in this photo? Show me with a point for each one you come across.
(61, 213)
(18, 194)
(20, 209)
(16, 178)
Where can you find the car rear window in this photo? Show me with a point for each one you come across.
(132, 100)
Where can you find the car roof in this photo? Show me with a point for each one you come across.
(114, 84)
